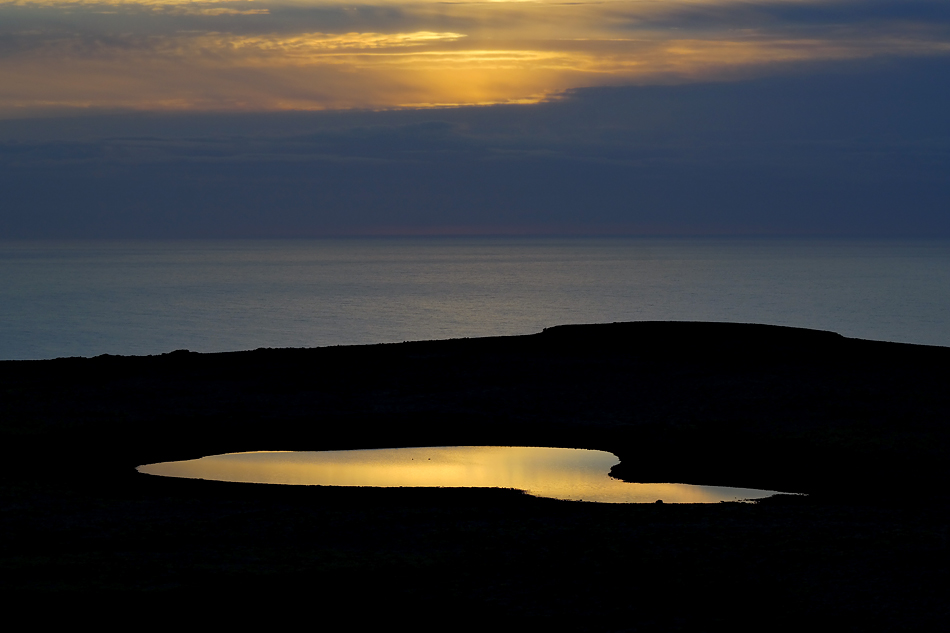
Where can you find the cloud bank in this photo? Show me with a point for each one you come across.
(272, 55)
(838, 150)
(271, 118)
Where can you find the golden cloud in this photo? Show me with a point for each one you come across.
(492, 53)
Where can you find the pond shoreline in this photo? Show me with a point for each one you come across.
(705, 403)
(859, 426)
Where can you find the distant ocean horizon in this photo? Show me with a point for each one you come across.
(86, 298)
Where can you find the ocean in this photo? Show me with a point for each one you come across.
(150, 297)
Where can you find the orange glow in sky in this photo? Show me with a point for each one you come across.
(263, 55)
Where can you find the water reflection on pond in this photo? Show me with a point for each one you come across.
(559, 473)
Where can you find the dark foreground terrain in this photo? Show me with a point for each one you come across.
(860, 426)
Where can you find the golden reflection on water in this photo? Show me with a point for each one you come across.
(558, 473)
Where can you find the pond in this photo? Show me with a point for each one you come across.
(558, 473)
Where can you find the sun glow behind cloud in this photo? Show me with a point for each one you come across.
(276, 55)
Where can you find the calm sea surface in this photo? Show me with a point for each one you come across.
(89, 298)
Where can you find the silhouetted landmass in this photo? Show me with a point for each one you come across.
(860, 426)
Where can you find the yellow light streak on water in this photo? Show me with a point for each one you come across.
(558, 473)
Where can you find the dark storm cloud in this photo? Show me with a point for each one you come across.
(737, 15)
(154, 20)
(845, 150)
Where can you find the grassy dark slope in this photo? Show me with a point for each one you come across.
(861, 426)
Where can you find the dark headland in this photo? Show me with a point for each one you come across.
(862, 427)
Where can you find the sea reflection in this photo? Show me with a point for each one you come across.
(558, 473)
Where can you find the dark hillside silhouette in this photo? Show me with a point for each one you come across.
(860, 426)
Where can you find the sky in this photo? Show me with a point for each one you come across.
(260, 118)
